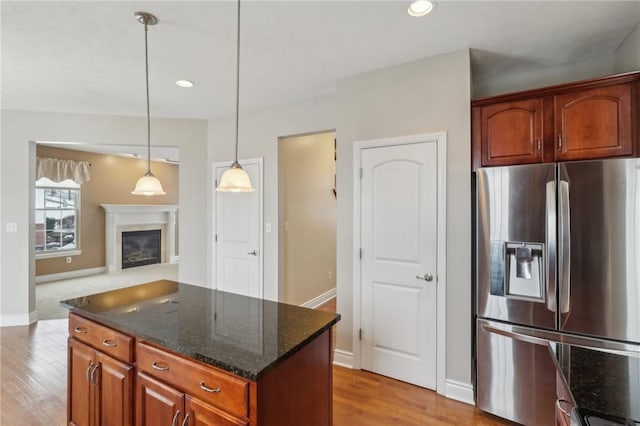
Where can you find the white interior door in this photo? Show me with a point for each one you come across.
(238, 234)
(398, 217)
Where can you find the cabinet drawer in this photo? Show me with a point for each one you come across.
(106, 340)
(207, 383)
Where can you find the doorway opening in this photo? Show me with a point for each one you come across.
(83, 267)
(307, 198)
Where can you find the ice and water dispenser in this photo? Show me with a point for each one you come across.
(517, 270)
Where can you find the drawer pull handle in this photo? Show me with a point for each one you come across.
(562, 410)
(88, 375)
(158, 367)
(174, 422)
(82, 330)
(208, 389)
(185, 422)
(109, 343)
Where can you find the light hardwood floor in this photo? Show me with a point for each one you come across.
(33, 380)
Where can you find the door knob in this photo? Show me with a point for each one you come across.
(426, 277)
(253, 253)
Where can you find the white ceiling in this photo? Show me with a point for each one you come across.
(88, 56)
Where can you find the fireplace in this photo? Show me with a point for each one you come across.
(124, 218)
(141, 248)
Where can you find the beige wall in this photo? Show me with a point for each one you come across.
(308, 210)
(429, 95)
(112, 180)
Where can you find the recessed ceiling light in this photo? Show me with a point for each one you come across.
(185, 83)
(420, 7)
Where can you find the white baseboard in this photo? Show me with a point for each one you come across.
(459, 391)
(11, 320)
(343, 358)
(319, 300)
(70, 274)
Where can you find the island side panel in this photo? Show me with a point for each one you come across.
(299, 391)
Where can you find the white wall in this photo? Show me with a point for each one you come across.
(425, 96)
(627, 56)
(259, 133)
(19, 127)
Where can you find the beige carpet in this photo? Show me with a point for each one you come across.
(49, 295)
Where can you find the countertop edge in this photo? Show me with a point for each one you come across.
(253, 376)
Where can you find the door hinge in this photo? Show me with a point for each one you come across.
(215, 185)
(360, 254)
(361, 172)
(360, 334)
(215, 238)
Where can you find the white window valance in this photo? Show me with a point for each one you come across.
(58, 170)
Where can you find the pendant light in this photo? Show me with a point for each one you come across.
(147, 184)
(235, 178)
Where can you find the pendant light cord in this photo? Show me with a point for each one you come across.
(146, 73)
(237, 81)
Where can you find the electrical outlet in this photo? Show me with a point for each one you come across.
(12, 227)
(68, 259)
(267, 228)
(329, 275)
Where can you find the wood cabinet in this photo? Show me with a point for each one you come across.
(171, 389)
(206, 395)
(579, 121)
(593, 123)
(100, 388)
(158, 403)
(512, 132)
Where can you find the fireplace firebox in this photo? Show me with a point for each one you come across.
(141, 248)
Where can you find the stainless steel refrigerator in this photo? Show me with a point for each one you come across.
(557, 258)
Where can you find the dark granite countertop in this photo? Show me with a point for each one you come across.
(243, 335)
(603, 384)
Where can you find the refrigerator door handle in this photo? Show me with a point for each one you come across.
(550, 198)
(516, 336)
(543, 337)
(564, 248)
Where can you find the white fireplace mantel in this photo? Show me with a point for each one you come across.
(138, 216)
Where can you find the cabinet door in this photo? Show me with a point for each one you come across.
(79, 392)
(114, 391)
(593, 123)
(201, 414)
(512, 133)
(157, 403)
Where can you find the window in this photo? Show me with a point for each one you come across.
(56, 218)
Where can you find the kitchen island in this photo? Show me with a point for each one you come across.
(596, 387)
(176, 354)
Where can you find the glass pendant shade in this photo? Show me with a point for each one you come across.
(148, 185)
(235, 179)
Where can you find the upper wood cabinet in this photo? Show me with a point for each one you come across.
(512, 133)
(579, 121)
(593, 123)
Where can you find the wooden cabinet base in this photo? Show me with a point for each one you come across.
(299, 392)
(171, 389)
